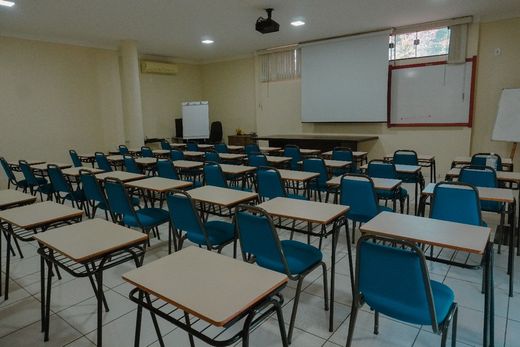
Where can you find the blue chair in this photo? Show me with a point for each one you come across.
(487, 159)
(94, 196)
(257, 159)
(62, 188)
(456, 202)
(213, 175)
(212, 156)
(11, 177)
(251, 148)
(344, 154)
(409, 157)
(221, 148)
(269, 185)
(75, 158)
(259, 243)
(146, 152)
(166, 169)
(293, 152)
(35, 184)
(319, 184)
(123, 212)
(395, 281)
(123, 150)
(357, 191)
(103, 162)
(184, 217)
(383, 169)
(482, 176)
(131, 165)
(176, 155)
(192, 146)
(165, 145)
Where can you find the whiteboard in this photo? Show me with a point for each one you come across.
(431, 94)
(507, 124)
(195, 120)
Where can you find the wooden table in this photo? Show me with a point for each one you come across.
(275, 160)
(224, 197)
(10, 198)
(194, 155)
(268, 149)
(507, 163)
(231, 156)
(454, 236)
(86, 250)
(187, 164)
(238, 289)
(160, 185)
(74, 171)
(22, 223)
(123, 176)
(323, 214)
(425, 160)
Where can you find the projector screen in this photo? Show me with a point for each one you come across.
(346, 80)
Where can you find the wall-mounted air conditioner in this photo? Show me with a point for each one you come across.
(157, 67)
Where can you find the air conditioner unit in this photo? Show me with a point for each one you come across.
(158, 67)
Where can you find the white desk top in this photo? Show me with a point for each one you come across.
(43, 167)
(410, 169)
(236, 169)
(221, 196)
(277, 160)
(379, 183)
(159, 184)
(193, 154)
(506, 176)
(231, 156)
(74, 171)
(11, 197)
(187, 164)
(299, 176)
(484, 193)
(121, 175)
(310, 211)
(39, 214)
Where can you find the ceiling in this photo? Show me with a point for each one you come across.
(175, 27)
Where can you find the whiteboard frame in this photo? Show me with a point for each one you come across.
(469, 123)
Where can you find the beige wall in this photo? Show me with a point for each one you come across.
(494, 74)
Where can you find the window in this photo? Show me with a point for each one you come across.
(419, 44)
(280, 66)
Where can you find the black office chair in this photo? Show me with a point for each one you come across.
(215, 133)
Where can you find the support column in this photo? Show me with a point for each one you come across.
(131, 94)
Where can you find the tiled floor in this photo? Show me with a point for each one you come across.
(73, 309)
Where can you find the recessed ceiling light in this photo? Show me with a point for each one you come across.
(207, 41)
(6, 3)
(297, 23)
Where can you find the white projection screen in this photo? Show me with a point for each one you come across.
(346, 80)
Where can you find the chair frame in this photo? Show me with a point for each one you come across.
(90, 208)
(61, 199)
(31, 187)
(11, 178)
(396, 192)
(73, 156)
(488, 154)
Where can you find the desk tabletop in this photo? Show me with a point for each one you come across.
(269, 149)
(11, 197)
(90, 239)
(456, 236)
(231, 156)
(379, 183)
(235, 148)
(236, 169)
(355, 154)
(87, 155)
(277, 160)
(467, 160)
(39, 214)
(235, 286)
(484, 193)
(159, 184)
(309, 151)
(194, 153)
(506, 176)
(161, 151)
(115, 157)
(305, 210)
(298, 176)
(145, 161)
(121, 175)
(420, 157)
(177, 145)
(205, 146)
(336, 164)
(187, 164)
(30, 162)
(221, 196)
(74, 171)
(409, 169)
(43, 167)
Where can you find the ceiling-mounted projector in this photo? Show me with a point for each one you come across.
(267, 25)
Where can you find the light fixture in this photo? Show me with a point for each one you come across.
(6, 3)
(297, 23)
(207, 41)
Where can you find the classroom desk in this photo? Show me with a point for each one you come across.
(425, 160)
(224, 197)
(231, 157)
(507, 163)
(187, 164)
(115, 158)
(454, 236)
(87, 249)
(42, 168)
(501, 195)
(88, 158)
(388, 184)
(159, 185)
(297, 177)
(177, 145)
(238, 289)
(269, 149)
(323, 214)
(162, 153)
(193, 155)
(123, 176)
(359, 156)
(74, 171)
(237, 172)
(10, 198)
(233, 148)
(277, 161)
(205, 146)
(146, 162)
(22, 223)
(15, 166)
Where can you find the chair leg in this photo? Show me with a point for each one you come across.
(325, 286)
(454, 327)
(295, 308)
(376, 323)
(502, 231)
(352, 323)
(353, 232)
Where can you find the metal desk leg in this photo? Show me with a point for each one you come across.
(510, 256)
(332, 276)
(7, 261)
(99, 280)
(489, 304)
(137, 337)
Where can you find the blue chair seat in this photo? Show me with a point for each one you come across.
(149, 217)
(219, 232)
(22, 184)
(297, 196)
(442, 296)
(388, 194)
(300, 257)
(357, 217)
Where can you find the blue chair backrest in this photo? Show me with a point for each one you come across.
(251, 148)
(27, 173)
(269, 183)
(192, 146)
(317, 165)
(165, 145)
(117, 197)
(146, 152)
(131, 165)
(405, 157)
(456, 202)
(183, 214)
(258, 237)
(381, 169)
(221, 148)
(8, 172)
(343, 154)
(175, 154)
(75, 158)
(257, 160)
(487, 159)
(102, 162)
(166, 169)
(58, 180)
(395, 281)
(213, 175)
(212, 156)
(91, 186)
(479, 176)
(123, 150)
(294, 153)
(357, 191)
